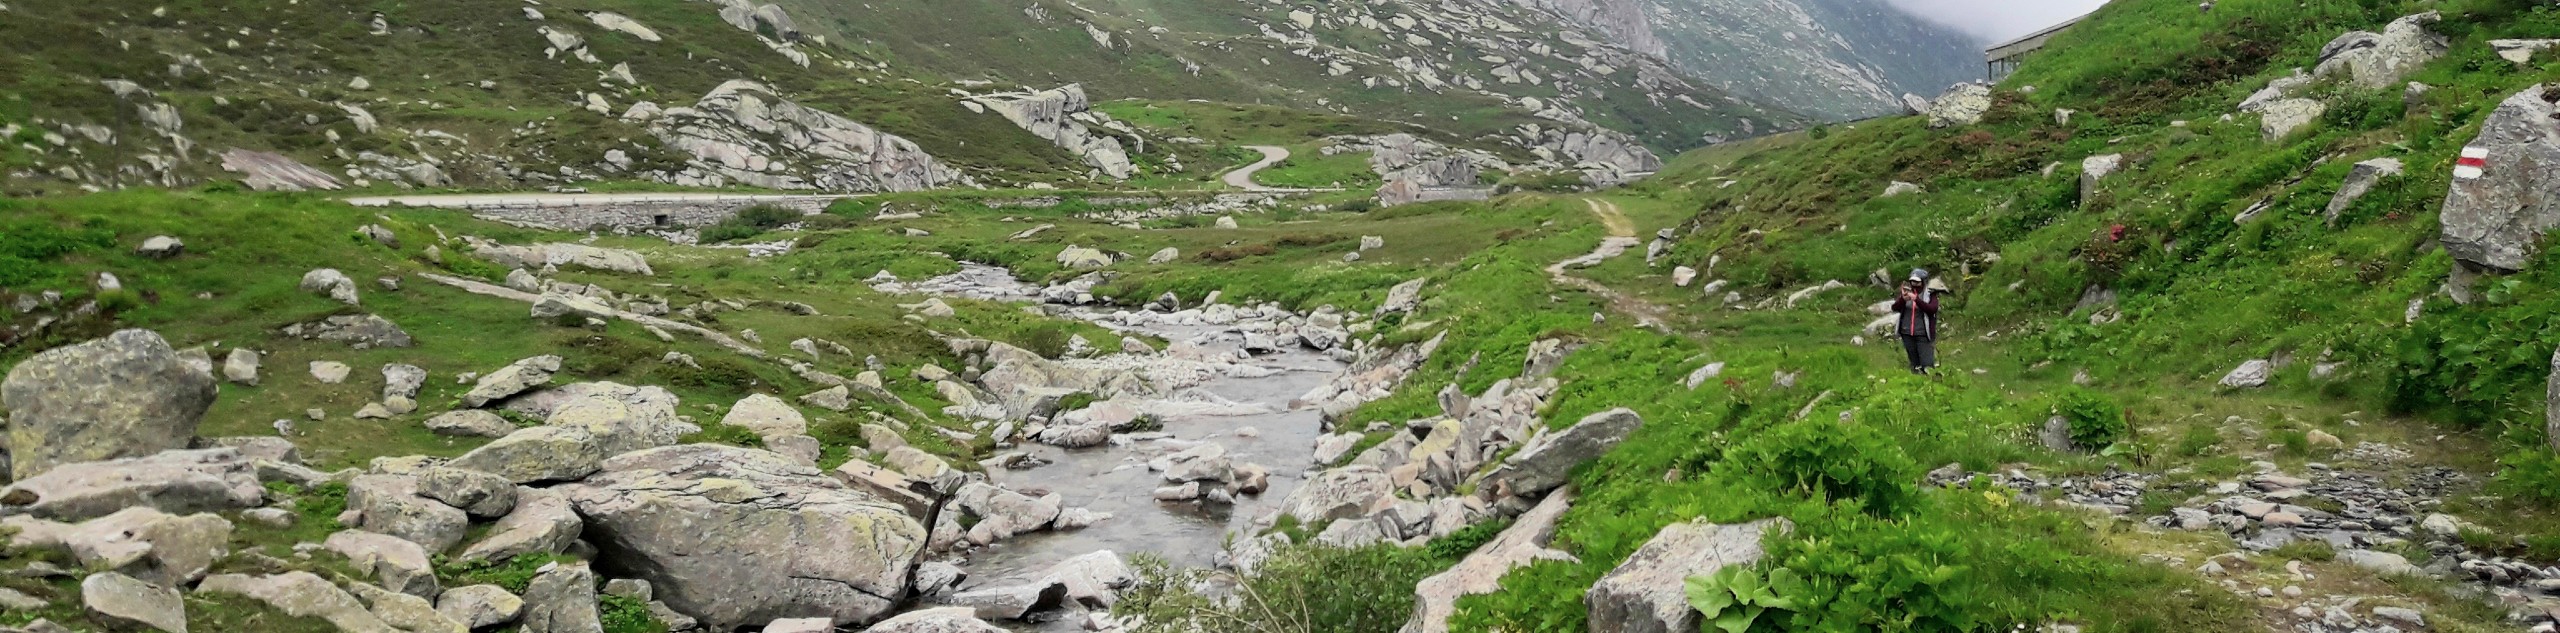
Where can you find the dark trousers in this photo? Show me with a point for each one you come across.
(1923, 353)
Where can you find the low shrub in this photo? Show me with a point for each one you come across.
(1824, 460)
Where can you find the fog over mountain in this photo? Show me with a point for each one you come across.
(1996, 20)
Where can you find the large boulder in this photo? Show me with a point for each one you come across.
(622, 420)
(300, 594)
(1646, 594)
(1962, 104)
(767, 416)
(390, 504)
(513, 379)
(397, 563)
(156, 547)
(2382, 60)
(542, 523)
(1545, 463)
(482, 495)
(1083, 257)
(479, 607)
(738, 536)
(538, 454)
(1525, 542)
(562, 599)
(133, 605)
(470, 423)
(2498, 209)
(1340, 493)
(177, 482)
(2278, 119)
(126, 395)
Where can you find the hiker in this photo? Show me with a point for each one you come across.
(1915, 305)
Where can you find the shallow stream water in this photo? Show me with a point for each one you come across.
(1114, 478)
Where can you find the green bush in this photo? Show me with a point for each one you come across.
(1300, 589)
(621, 614)
(2096, 421)
(1824, 460)
(1049, 341)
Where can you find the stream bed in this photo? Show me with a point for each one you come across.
(1245, 408)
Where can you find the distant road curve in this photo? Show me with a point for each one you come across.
(1243, 178)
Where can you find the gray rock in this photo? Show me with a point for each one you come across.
(390, 504)
(2493, 222)
(1545, 462)
(265, 171)
(513, 379)
(800, 625)
(2380, 563)
(2095, 169)
(328, 282)
(359, 331)
(1082, 257)
(938, 620)
(2249, 375)
(2278, 119)
(470, 423)
(161, 247)
(739, 536)
(404, 611)
(744, 133)
(147, 544)
(241, 366)
(398, 564)
(620, 419)
(2360, 181)
(330, 372)
(1645, 594)
(1340, 493)
(122, 601)
(301, 594)
(562, 599)
(538, 454)
(543, 522)
(259, 447)
(767, 416)
(2382, 60)
(178, 482)
(1011, 602)
(126, 395)
(1525, 542)
(1962, 104)
(480, 607)
(479, 494)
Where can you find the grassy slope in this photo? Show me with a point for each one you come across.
(2199, 294)
(1237, 63)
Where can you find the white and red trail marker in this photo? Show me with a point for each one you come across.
(2473, 163)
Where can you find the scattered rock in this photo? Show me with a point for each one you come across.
(1646, 593)
(120, 600)
(330, 283)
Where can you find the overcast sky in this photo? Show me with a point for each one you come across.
(1998, 20)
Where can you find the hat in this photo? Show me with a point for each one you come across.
(1919, 274)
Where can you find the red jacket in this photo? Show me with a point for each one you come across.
(1918, 318)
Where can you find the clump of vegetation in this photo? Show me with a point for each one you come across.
(749, 223)
(1300, 589)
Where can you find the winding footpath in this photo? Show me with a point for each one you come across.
(1622, 236)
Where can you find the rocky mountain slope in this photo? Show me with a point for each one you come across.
(1833, 59)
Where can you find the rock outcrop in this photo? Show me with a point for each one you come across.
(2496, 214)
(1962, 104)
(1544, 463)
(1058, 115)
(1525, 542)
(126, 395)
(2382, 60)
(738, 536)
(1646, 593)
(745, 134)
